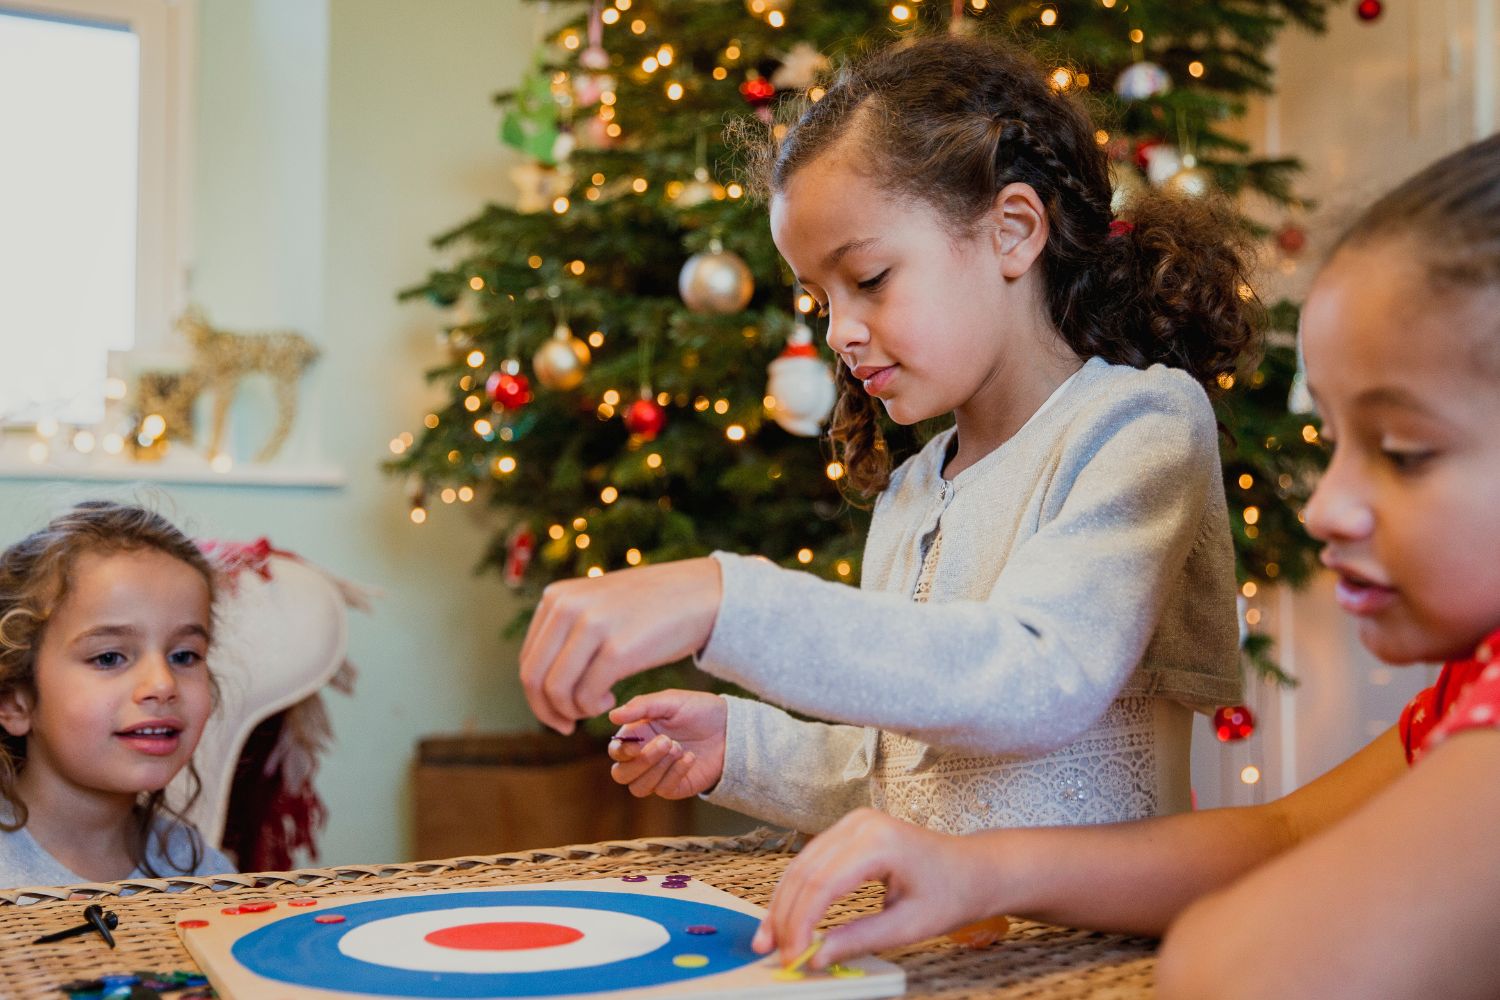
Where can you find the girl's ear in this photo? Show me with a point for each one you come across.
(15, 712)
(1019, 228)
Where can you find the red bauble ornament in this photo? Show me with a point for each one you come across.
(1233, 722)
(758, 92)
(1143, 153)
(507, 391)
(645, 419)
(1369, 10)
(1292, 239)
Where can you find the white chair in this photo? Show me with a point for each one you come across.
(281, 633)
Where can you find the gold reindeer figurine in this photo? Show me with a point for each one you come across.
(222, 358)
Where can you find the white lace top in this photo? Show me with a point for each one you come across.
(1113, 773)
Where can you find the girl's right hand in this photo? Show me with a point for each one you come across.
(934, 883)
(681, 748)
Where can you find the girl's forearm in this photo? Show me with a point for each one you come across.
(1129, 878)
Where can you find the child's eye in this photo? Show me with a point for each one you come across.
(822, 312)
(186, 658)
(1406, 461)
(870, 284)
(109, 659)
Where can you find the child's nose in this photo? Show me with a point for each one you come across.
(845, 331)
(1338, 509)
(157, 682)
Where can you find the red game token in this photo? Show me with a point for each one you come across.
(329, 918)
(230, 911)
(259, 906)
(192, 924)
(302, 902)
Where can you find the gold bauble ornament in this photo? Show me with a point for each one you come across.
(717, 281)
(1192, 181)
(560, 363)
(1125, 186)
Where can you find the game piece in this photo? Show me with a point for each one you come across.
(599, 938)
(96, 919)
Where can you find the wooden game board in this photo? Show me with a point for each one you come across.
(635, 937)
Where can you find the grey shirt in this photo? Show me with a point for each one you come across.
(24, 862)
(1086, 558)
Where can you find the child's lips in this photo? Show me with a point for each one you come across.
(875, 378)
(156, 739)
(1360, 596)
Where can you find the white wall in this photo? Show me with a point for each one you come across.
(335, 137)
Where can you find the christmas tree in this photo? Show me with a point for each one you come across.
(632, 376)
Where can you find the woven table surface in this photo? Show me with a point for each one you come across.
(1034, 960)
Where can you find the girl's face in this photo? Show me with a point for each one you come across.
(122, 689)
(1404, 377)
(916, 313)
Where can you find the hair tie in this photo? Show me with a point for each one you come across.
(1119, 227)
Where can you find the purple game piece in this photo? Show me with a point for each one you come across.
(632, 878)
(702, 929)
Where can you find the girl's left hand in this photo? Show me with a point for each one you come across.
(590, 632)
(934, 882)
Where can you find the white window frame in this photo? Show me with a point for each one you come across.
(166, 31)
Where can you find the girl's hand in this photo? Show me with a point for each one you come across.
(590, 632)
(681, 748)
(934, 883)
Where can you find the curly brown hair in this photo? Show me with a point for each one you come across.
(35, 575)
(951, 120)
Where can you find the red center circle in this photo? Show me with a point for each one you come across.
(503, 936)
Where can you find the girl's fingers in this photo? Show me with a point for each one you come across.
(677, 783)
(646, 757)
(647, 782)
(660, 705)
(890, 927)
(629, 741)
(561, 679)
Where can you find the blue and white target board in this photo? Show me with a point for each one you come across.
(635, 937)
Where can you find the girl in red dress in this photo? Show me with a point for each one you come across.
(1370, 881)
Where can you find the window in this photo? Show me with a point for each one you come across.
(92, 196)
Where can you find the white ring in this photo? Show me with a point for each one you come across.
(399, 942)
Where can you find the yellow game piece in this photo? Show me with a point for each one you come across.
(807, 954)
(845, 971)
(788, 975)
(690, 961)
(981, 933)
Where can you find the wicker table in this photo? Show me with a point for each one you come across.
(1035, 961)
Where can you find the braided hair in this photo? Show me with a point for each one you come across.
(951, 120)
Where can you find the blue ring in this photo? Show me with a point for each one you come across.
(298, 950)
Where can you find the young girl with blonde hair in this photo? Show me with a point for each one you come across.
(105, 625)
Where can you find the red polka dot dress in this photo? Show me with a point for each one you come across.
(1466, 696)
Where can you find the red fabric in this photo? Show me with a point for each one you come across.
(232, 558)
(1466, 696)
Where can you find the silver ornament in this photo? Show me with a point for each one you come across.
(1141, 80)
(717, 281)
(560, 363)
(1162, 163)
